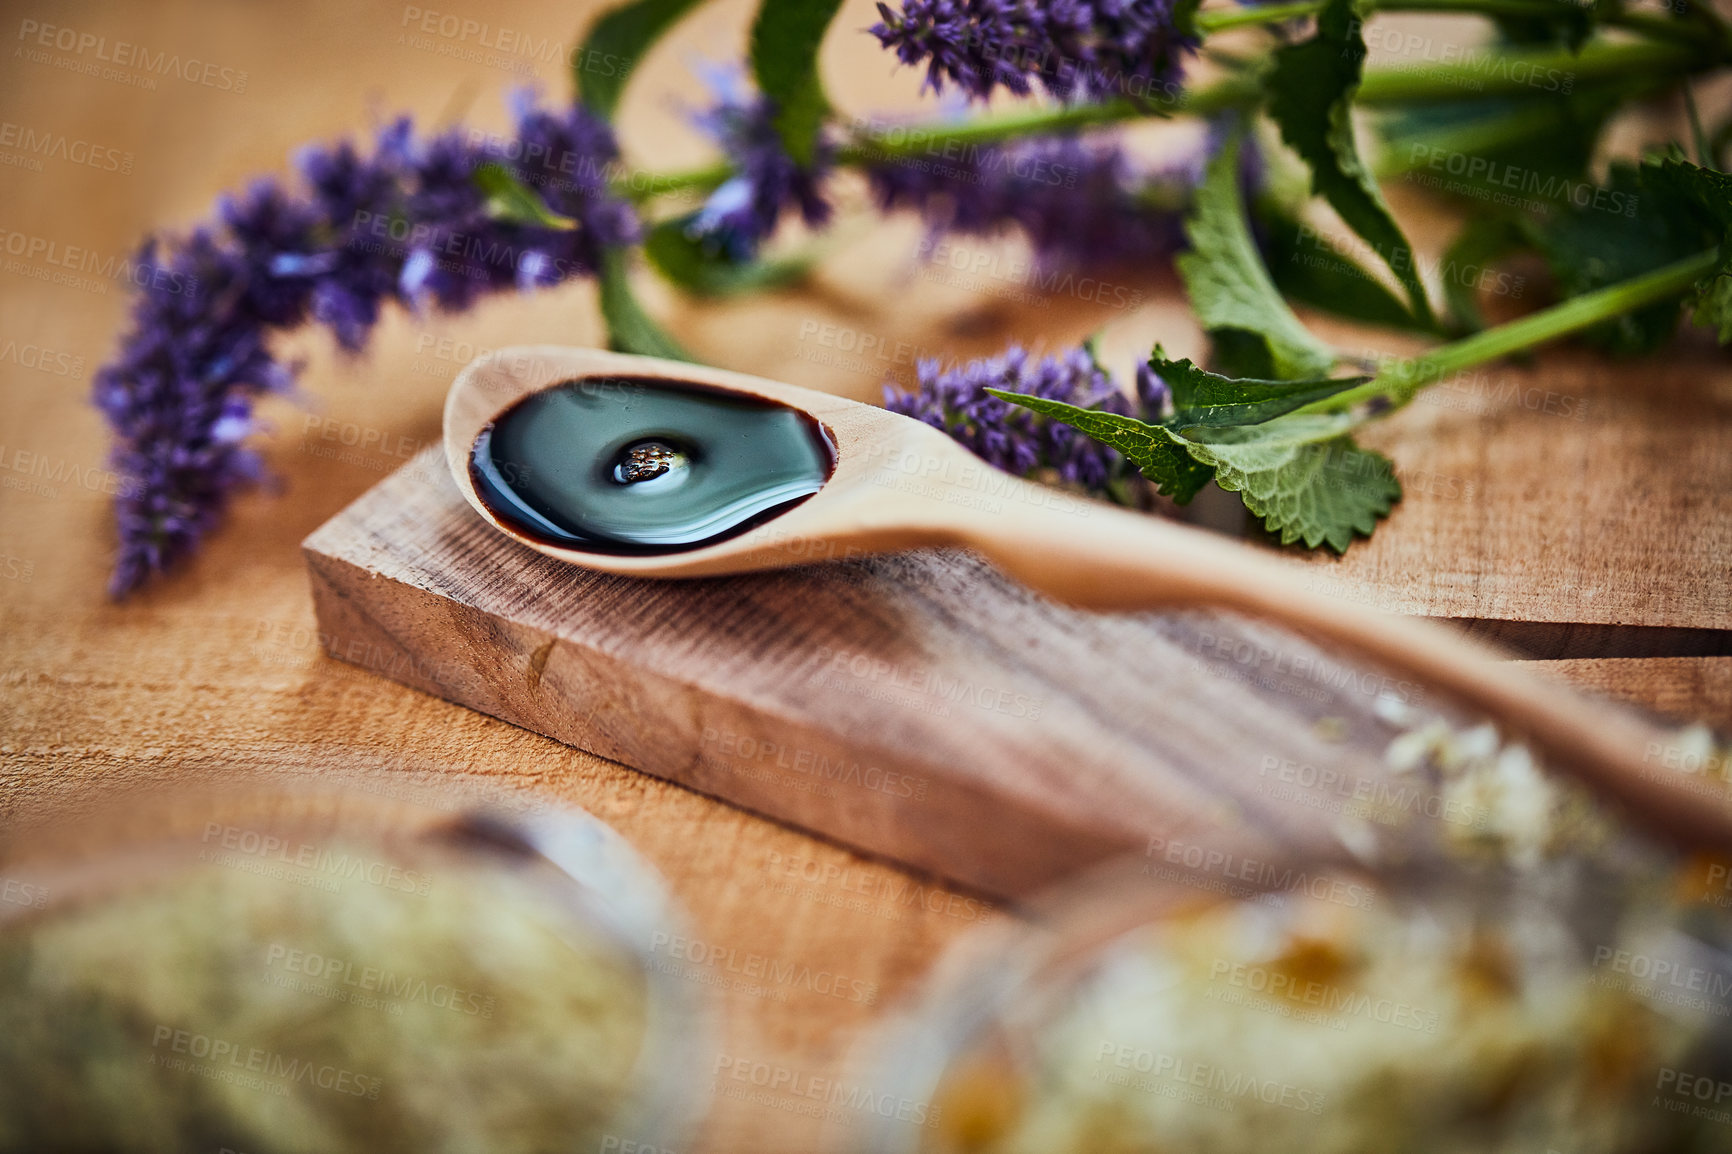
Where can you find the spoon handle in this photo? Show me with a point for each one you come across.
(1099, 557)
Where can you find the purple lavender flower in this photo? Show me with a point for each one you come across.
(177, 398)
(1077, 199)
(1087, 49)
(955, 402)
(741, 213)
(567, 157)
(406, 222)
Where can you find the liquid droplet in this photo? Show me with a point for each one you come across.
(648, 460)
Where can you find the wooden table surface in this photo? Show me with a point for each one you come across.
(1605, 519)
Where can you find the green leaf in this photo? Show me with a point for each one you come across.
(1243, 353)
(1710, 193)
(1318, 492)
(1310, 90)
(1481, 242)
(509, 199)
(1292, 429)
(617, 41)
(1646, 217)
(785, 40)
(1185, 17)
(1302, 474)
(1206, 399)
(1310, 270)
(1230, 289)
(1160, 454)
(629, 328)
(689, 263)
(1708, 190)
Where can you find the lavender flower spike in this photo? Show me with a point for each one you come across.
(405, 222)
(1082, 49)
(1012, 438)
(1078, 199)
(746, 208)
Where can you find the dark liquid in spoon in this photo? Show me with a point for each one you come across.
(612, 465)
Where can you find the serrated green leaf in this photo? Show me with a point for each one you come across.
(619, 38)
(1709, 192)
(1318, 492)
(1302, 474)
(1209, 400)
(785, 40)
(629, 328)
(1162, 457)
(1313, 272)
(1668, 215)
(1310, 89)
(510, 200)
(689, 263)
(1230, 289)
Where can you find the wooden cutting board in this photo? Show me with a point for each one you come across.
(919, 706)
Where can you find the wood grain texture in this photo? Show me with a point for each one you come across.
(917, 705)
(1683, 689)
(1578, 491)
(218, 672)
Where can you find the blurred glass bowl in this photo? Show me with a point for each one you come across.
(262, 970)
(1482, 1014)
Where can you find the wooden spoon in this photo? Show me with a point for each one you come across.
(900, 484)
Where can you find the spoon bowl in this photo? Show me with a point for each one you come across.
(897, 484)
(856, 511)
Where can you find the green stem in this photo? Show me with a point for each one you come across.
(1572, 316)
(1209, 23)
(642, 186)
(1223, 19)
(1657, 27)
(1479, 7)
(1476, 138)
(1525, 73)
(1515, 72)
(1490, 74)
(1490, 133)
(900, 142)
(1520, 72)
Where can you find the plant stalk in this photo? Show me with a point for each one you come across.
(1246, 16)
(1400, 385)
(1488, 75)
